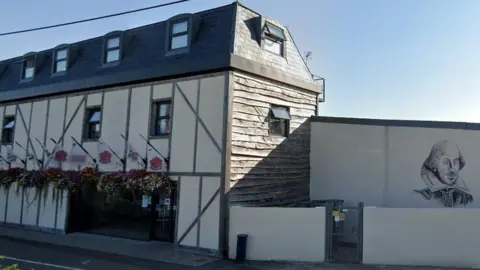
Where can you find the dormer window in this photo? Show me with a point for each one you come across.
(112, 49)
(273, 39)
(60, 60)
(179, 35)
(28, 70)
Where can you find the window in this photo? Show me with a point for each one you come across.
(92, 123)
(60, 61)
(112, 49)
(274, 38)
(179, 35)
(279, 121)
(160, 118)
(28, 68)
(8, 128)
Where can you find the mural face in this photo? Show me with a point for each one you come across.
(440, 172)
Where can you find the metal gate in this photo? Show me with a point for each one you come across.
(344, 232)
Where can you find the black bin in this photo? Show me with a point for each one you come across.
(241, 248)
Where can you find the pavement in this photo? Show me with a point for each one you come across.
(40, 256)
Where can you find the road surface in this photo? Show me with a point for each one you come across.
(38, 256)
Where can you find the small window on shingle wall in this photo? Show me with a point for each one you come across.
(179, 35)
(8, 129)
(279, 121)
(92, 123)
(112, 49)
(161, 112)
(273, 39)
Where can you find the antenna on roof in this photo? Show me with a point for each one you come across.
(307, 56)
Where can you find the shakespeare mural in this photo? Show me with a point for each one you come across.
(440, 172)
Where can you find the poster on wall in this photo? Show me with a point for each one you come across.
(440, 173)
(146, 200)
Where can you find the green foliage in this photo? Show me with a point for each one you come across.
(10, 267)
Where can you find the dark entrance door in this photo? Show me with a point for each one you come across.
(163, 215)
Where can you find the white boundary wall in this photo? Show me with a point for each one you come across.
(31, 210)
(283, 234)
(423, 237)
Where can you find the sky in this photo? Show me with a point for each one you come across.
(389, 59)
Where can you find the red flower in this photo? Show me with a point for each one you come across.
(60, 155)
(105, 157)
(156, 163)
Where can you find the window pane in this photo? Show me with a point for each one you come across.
(113, 42)
(273, 46)
(113, 55)
(28, 73)
(61, 66)
(280, 113)
(162, 127)
(164, 109)
(179, 42)
(277, 127)
(61, 54)
(93, 131)
(10, 124)
(180, 27)
(7, 135)
(96, 116)
(276, 31)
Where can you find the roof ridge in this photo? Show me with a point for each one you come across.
(125, 30)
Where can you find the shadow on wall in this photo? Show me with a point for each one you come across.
(269, 171)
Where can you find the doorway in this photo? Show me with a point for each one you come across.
(163, 215)
(344, 232)
(134, 216)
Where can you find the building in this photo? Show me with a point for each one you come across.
(224, 94)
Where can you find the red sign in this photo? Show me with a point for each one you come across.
(61, 156)
(105, 157)
(156, 163)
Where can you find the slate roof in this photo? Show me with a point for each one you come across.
(144, 59)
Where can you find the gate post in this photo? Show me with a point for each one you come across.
(328, 231)
(360, 233)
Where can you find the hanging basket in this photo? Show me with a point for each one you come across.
(8, 177)
(111, 185)
(154, 183)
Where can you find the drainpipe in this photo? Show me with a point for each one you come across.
(316, 79)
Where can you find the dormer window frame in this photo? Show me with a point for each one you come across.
(56, 60)
(193, 22)
(181, 33)
(106, 49)
(30, 58)
(274, 33)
